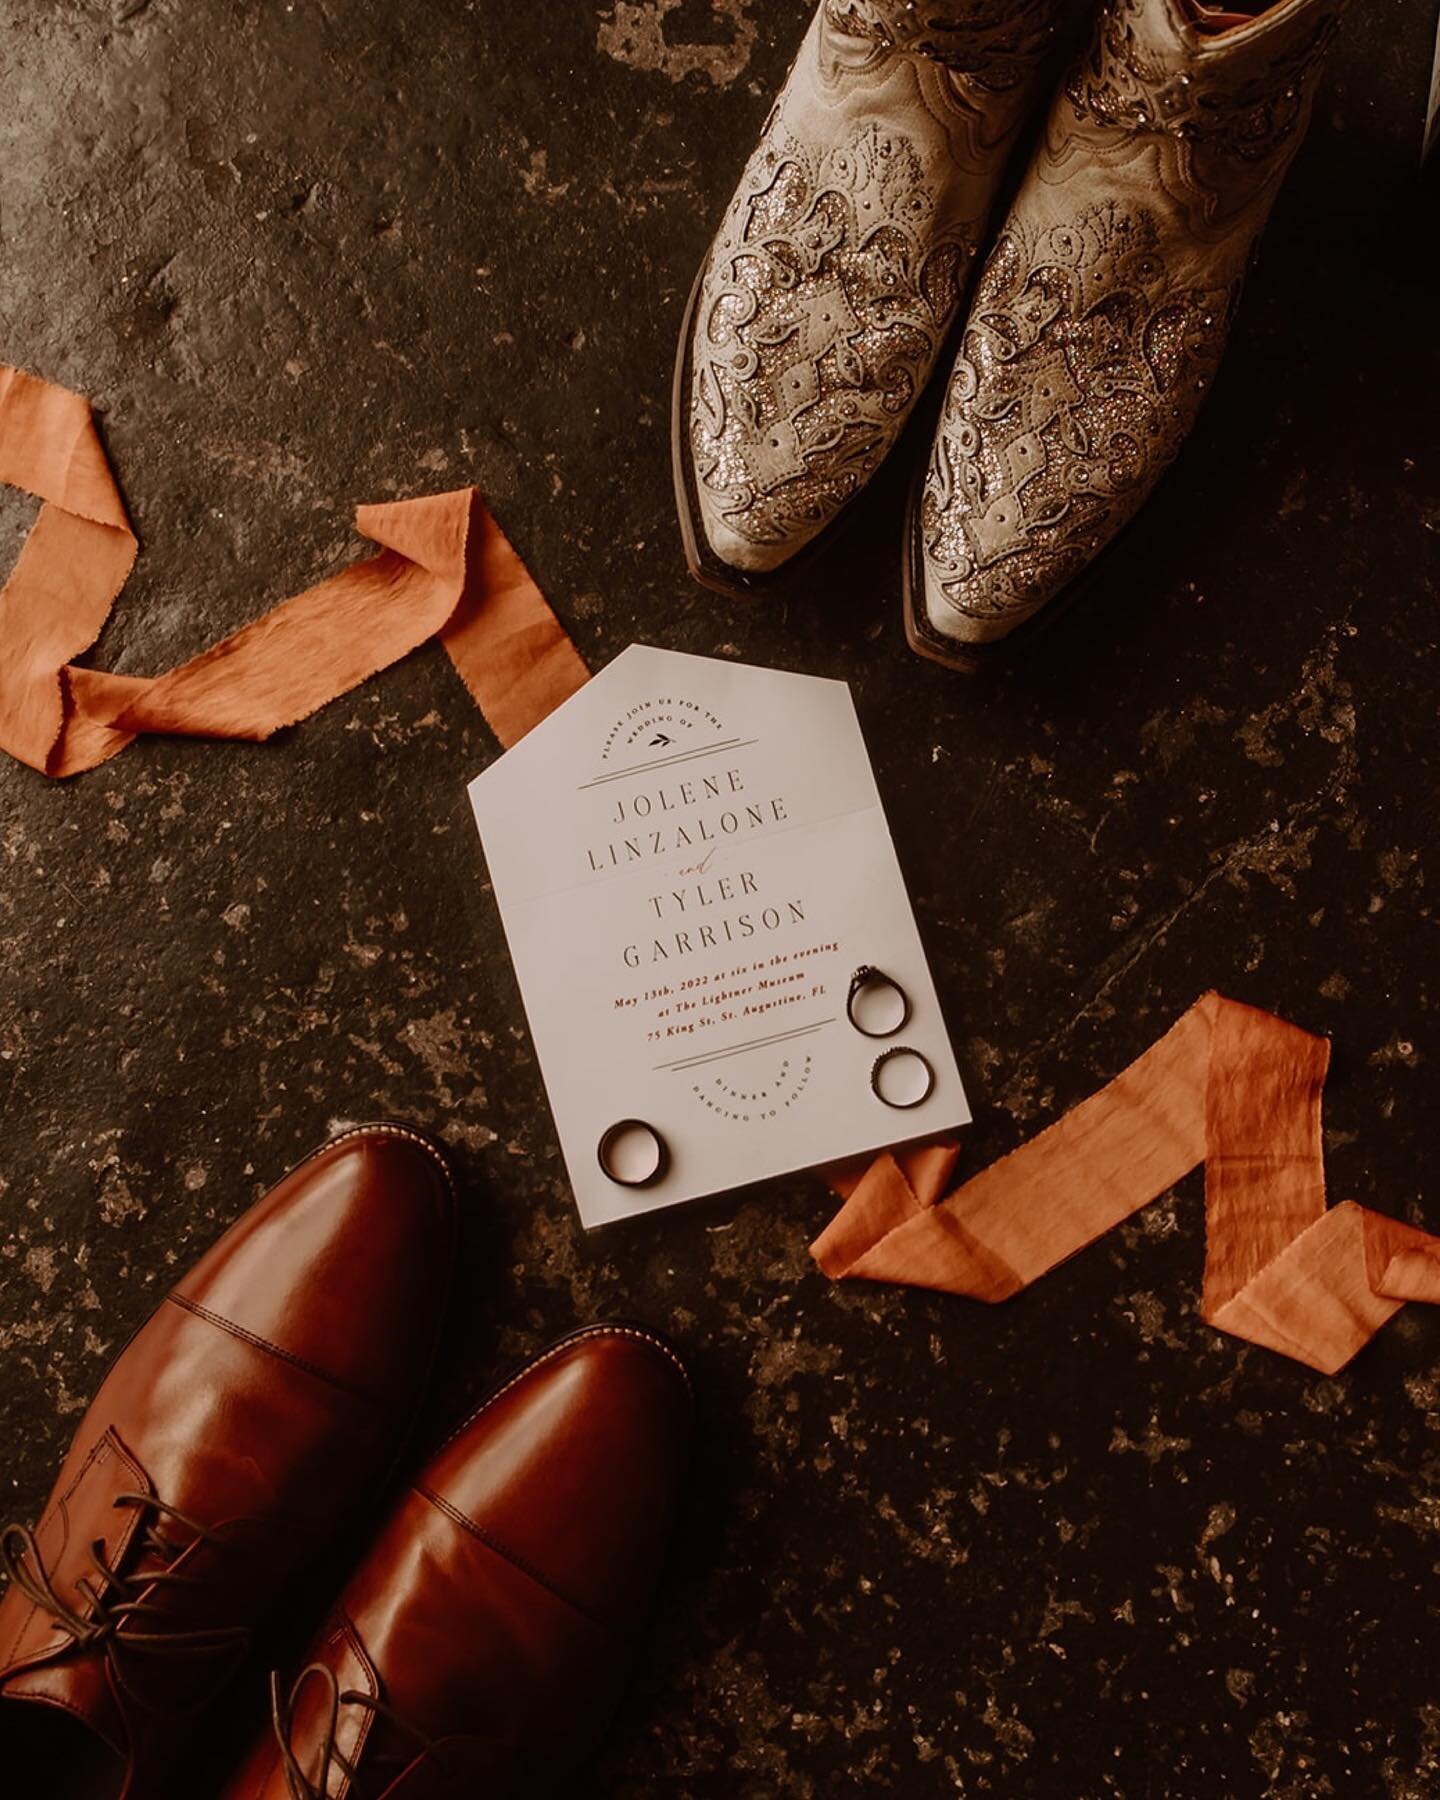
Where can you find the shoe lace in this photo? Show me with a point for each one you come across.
(282, 1713)
(121, 1618)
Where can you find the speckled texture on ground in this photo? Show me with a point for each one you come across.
(312, 253)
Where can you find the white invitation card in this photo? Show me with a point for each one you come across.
(692, 863)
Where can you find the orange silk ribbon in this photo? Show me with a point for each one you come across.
(445, 569)
(1229, 1086)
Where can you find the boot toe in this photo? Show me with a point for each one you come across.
(748, 555)
(982, 603)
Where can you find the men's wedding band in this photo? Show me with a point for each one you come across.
(632, 1153)
(878, 986)
(902, 1061)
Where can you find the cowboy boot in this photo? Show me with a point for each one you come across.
(222, 1454)
(821, 308)
(1098, 323)
(479, 1648)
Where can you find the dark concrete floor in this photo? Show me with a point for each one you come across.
(308, 254)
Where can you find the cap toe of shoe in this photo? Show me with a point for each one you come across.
(344, 1265)
(573, 1468)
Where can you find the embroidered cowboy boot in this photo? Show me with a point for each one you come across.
(225, 1448)
(1099, 320)
(478, 1650)
(821, 308)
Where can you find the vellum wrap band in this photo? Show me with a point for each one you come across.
(445, 569)
(1229, 1086)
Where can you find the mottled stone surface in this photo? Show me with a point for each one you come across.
(309, 254)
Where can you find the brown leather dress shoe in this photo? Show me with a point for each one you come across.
(481, 1646)
(228, 1441)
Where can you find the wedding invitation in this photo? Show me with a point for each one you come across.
(691, 864)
